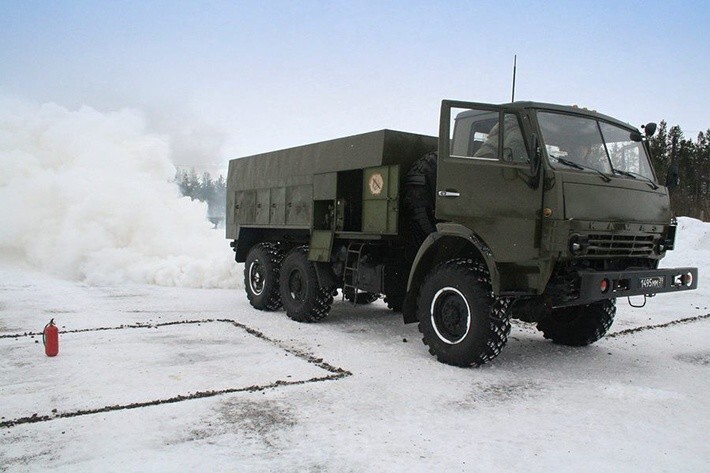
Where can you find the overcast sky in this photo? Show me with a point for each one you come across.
(230, 78)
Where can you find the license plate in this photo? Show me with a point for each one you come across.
(653, 282)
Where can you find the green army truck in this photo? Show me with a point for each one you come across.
(540, 212)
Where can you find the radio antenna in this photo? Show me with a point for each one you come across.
(515, 66)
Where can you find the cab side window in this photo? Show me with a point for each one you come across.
(476, 134)
(472, 131)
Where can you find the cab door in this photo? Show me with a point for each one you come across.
(485, 180)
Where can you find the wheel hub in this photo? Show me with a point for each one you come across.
(450, 315)
(256, 277)
(296, 286)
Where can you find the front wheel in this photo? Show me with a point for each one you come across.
(462, 322)
(579, 325)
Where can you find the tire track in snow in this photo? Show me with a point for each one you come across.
(644, 328)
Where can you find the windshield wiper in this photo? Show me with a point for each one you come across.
(572, 164)
(635, 175)
(624, 173)
(567, 162)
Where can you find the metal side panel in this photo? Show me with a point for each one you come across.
(325, 186)
(245, 206)
(393, 199)
(231, 223)
(263, 199)
(299, 203)
(321, 245)
(380, 209)
(277, 214)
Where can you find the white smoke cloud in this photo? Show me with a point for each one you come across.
(87, 196)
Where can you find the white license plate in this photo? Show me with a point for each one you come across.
(653, 282)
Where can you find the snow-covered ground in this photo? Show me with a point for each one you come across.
(243, 390)
(164, 366)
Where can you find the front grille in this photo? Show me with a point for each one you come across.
(620, 245)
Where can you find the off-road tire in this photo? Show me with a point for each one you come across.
(261, 276)
(361, 298)
(579, 325)
(419, 201)
(302, 297)
(462, 322)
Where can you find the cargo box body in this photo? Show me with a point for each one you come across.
(344, 186)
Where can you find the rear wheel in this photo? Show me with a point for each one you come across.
(579, 325)
(462, 322)
(261, 276)
(302, 297)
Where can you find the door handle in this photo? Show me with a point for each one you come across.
(448, 194)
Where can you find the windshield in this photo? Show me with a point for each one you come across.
(590, 145)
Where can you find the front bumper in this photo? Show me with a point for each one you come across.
(599, 285)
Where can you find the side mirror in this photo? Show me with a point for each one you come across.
(649, 129)
(635, 136)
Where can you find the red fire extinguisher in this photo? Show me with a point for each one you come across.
(50, 338)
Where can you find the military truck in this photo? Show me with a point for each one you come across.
(540, 212)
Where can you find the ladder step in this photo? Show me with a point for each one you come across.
(351, 271)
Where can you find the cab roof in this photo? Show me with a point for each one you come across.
(522, 105)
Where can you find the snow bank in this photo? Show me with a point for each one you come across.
(692, 245)
(87, 196)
